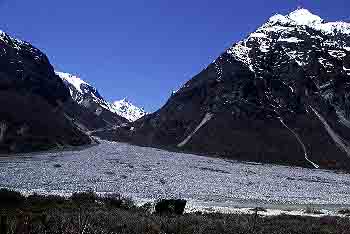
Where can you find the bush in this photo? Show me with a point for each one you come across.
(84, 199)
(10, 199)
(147, 207)
(170, 207)
(42, 201)
(115, 200)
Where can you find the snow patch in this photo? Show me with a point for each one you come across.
(291, 40)
(241, 52)
(298, 57)
(334, 27)
(342, 118)
(337, 53)
(300, 142)
(278, 18)
(303, 17)
(206, 118)
(336, 138)
(257, 34)
(250, 211)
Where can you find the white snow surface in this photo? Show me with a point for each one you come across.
(127, 110)
(304, 17)
(72, 79)
(291, 40)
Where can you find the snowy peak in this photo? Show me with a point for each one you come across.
(72, 79)
(297, 17)
(304, 17)
(128, 110)
(299, 34)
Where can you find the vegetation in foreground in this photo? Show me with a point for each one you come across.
(89, 213)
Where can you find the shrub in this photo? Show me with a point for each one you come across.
(115, 200)
(171, 207)
(42, 201)
(84, 199)
(147, 207)
(10, 199)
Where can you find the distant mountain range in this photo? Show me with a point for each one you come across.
(85, 94)
(280, 95)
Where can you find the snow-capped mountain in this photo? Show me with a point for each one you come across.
(88, 108)
(128, 110)
(86, 95)
(31, 97)
(282, 95)
(299, 28)
(82, 92)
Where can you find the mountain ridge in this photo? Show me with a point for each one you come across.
(85, 94)
(279, 95)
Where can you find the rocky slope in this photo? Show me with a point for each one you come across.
(31, 100)
(280, 95)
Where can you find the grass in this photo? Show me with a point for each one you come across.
(89, 213)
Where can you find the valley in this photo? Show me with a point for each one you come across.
(148, 174)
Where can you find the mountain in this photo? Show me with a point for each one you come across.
(88, 96)
(128, 110)
(88, 108)
(82, 92)
(31, 99)
(281, 95)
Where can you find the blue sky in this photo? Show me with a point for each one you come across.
(143, 49)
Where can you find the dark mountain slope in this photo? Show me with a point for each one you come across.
(31, 97)
(280, 95)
